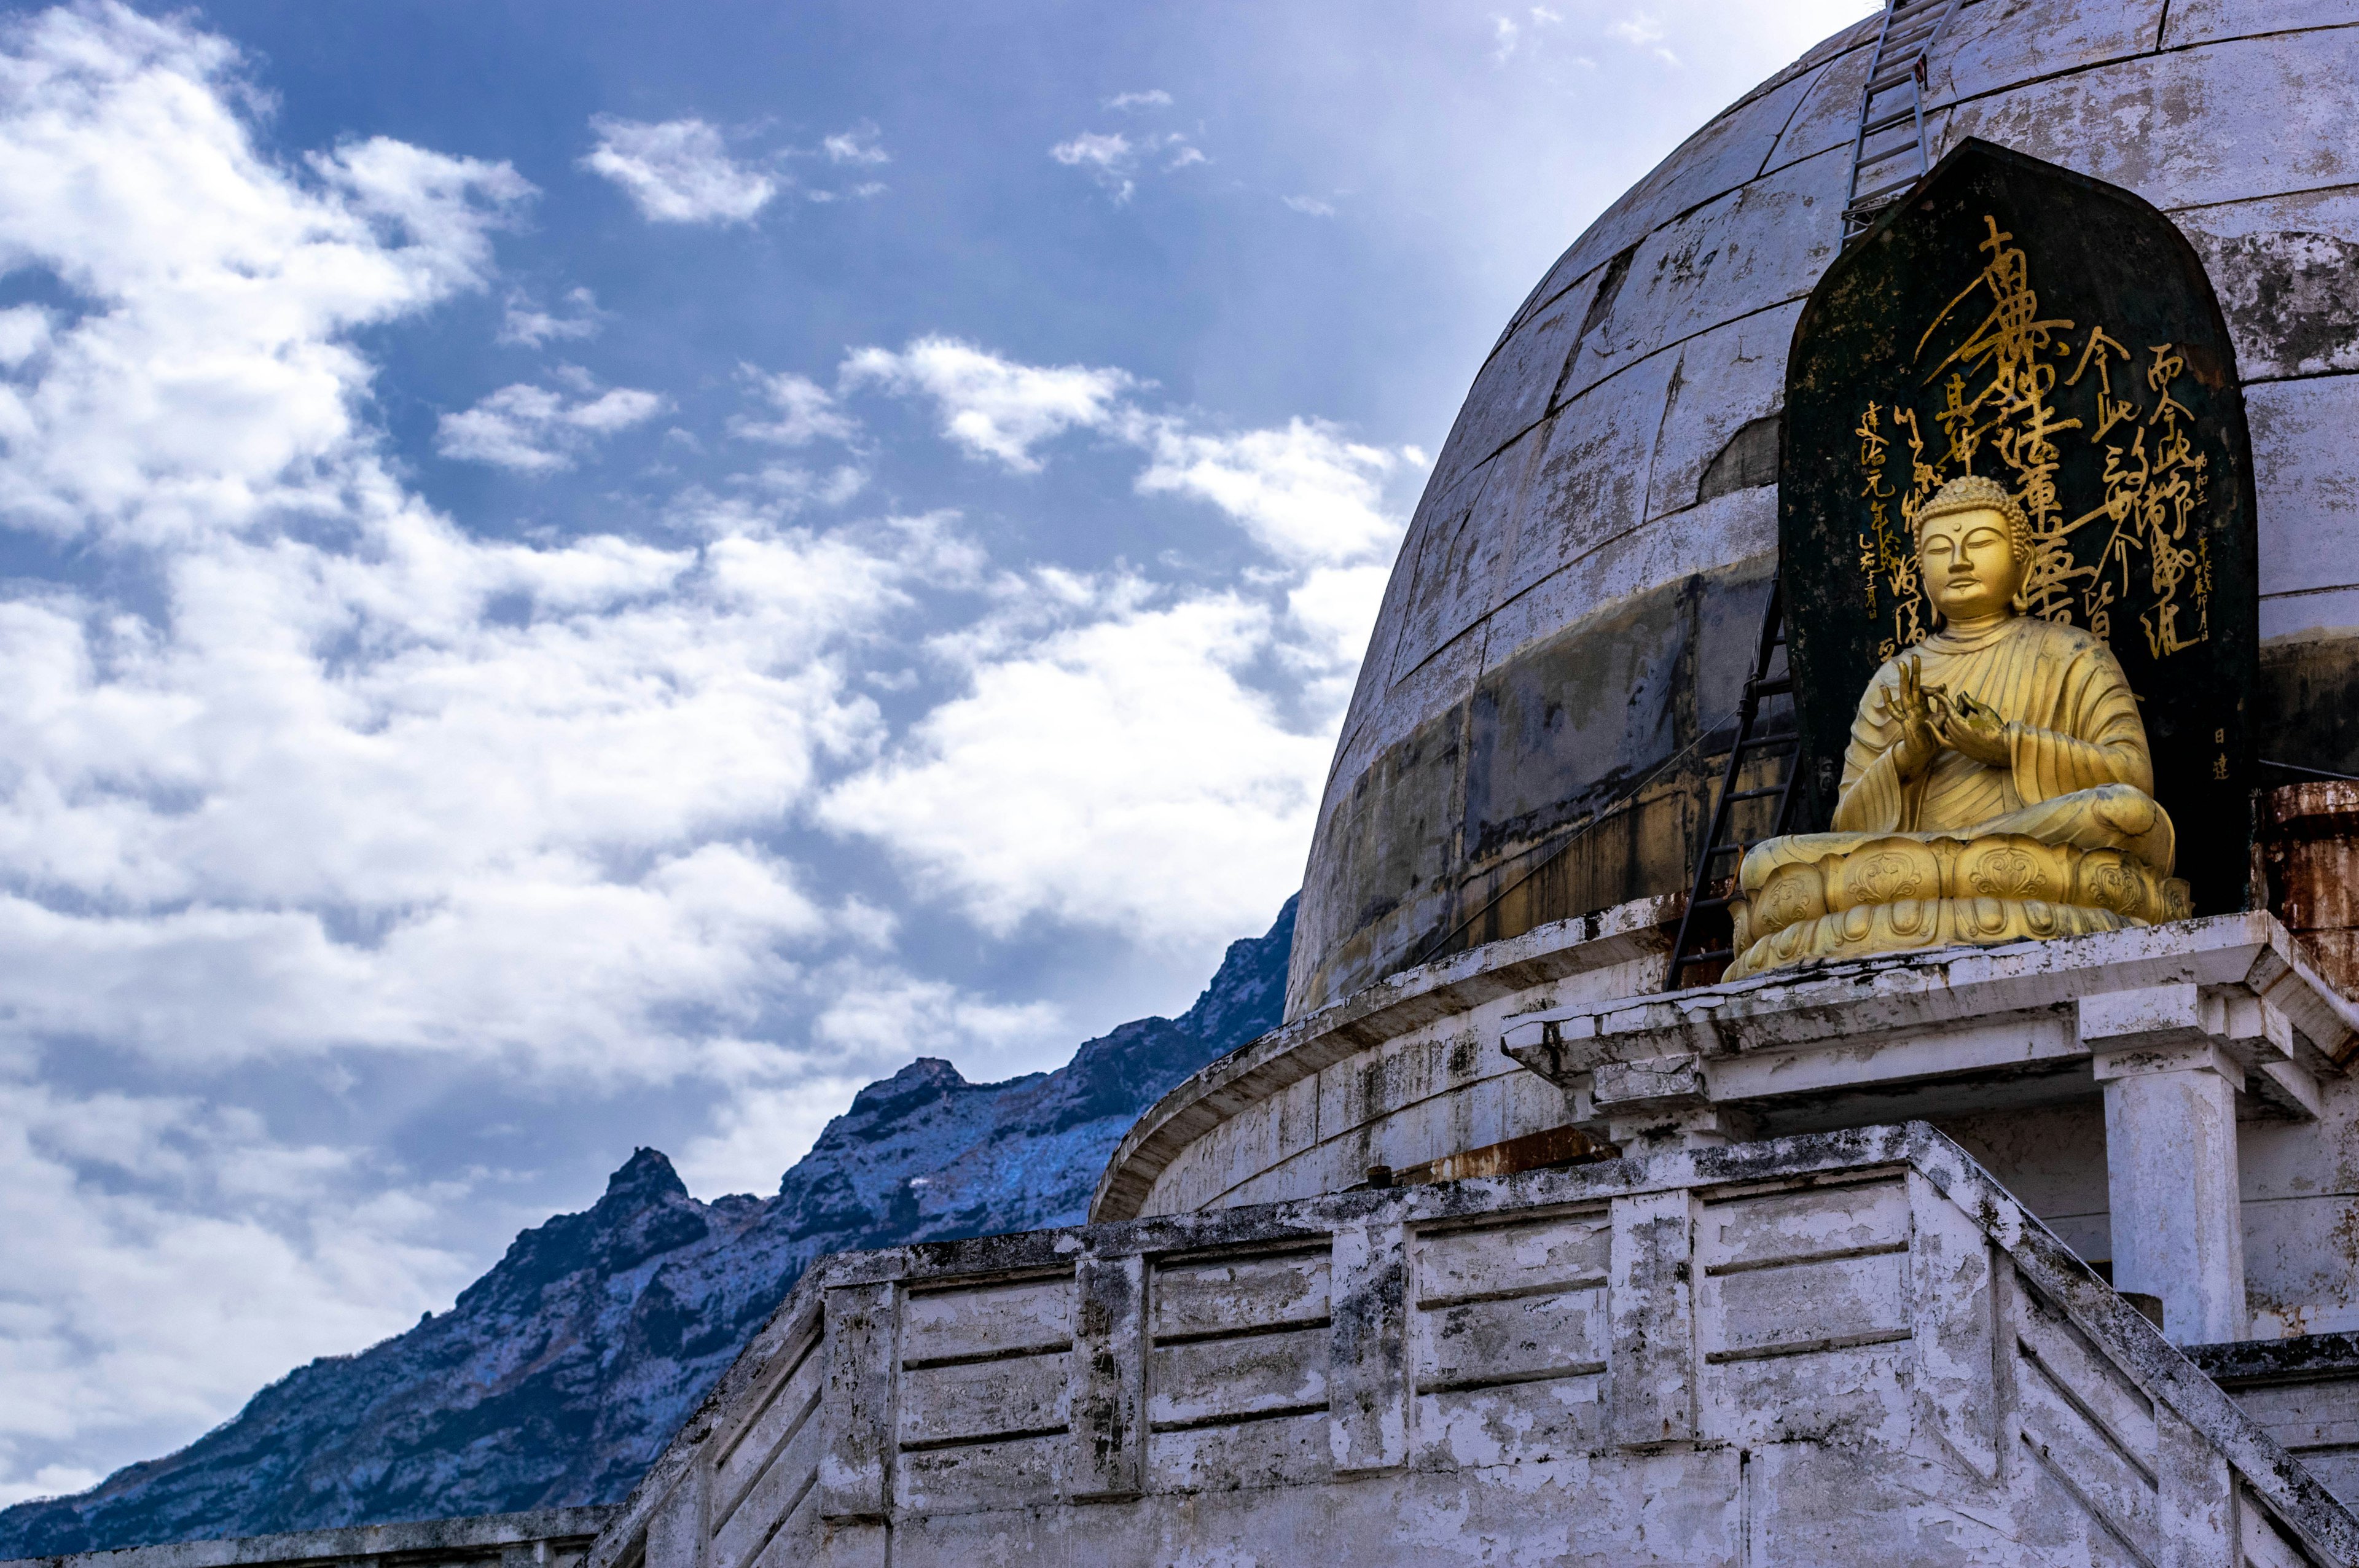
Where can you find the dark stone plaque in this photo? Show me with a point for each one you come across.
(2017, 321)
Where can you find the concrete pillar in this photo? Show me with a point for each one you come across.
(1650, 1370)
(855, 1463)
(2170, 1155)
(1367, 1362)
(1108, 1385)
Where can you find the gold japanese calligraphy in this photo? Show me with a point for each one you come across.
(2001, 405)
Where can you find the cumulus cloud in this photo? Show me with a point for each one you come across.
(267, 1252)
(806, 412)
(1642, 32)
(993, 408)
(532, 429)
(341, 780)
(1114, 160)
(1107, 154)
(1074, 778)
(1153, 98)
(1510, 35)
(1306, 493)
(677, 172)
(528, 327)
(217, 372)
(863, 144)
(345, 778)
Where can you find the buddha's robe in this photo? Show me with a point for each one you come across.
(2077, 769)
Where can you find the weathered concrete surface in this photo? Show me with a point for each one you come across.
(1841, 1348)
(1574, 500)
(545, 1538)
(1990, 1051)
(2309, 846)
(1404, 1073)
(2197, 1039)
(2304, 1392)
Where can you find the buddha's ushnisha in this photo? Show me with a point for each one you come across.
(1999, 722)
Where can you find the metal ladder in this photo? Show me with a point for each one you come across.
(1892, 111)
(1763, 685)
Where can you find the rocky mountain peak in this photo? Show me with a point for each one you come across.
(645, 1177)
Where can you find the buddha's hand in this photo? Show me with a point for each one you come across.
(1976, 729)
(1920, 735)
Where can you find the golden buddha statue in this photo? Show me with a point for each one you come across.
(1997, 786)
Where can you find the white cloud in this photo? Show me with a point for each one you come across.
(1119, 772)
(533, 430)
(1112, 759)
(1153, 98)
(529, 328)
(1509, 35)
(806, 412)
(862, 145)
(1107, 155)
(1642, 32)
(347, 782)
(1310, 206)
(796, 486)
(267, 1254)
(1307, 494)
(1114, 158)
(677, 172)
(991, 407)
(216, 376)
(344, 779)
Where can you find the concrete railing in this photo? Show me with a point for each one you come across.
(546, 1538)
(1845, 1348)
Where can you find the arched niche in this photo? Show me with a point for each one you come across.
(2059, 334)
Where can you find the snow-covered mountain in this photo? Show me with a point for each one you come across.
(557, 1376)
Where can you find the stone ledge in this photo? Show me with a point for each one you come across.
(1383, 1011)
(433, 1539)
(1853, 1003)
(2253, 1363)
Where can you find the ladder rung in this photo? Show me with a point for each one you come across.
(1771, 686)
(1706, 957)
(1910, 32)
(1906, 146)
(1896, 77)
(1890, 121)
(1878, 166)
(1865, 197)
(1763, 745)
(1708, 903)
(1753, 794)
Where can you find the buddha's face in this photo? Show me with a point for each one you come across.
(1969, 564)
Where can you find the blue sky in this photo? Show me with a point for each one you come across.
(580, 575)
